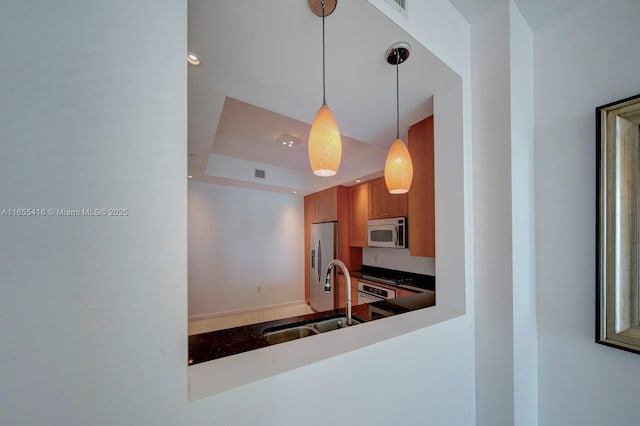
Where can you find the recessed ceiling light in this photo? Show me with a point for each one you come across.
(288, 141)
(193, 59)
(295, 192)
(190, 177)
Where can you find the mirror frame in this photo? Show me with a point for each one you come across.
(618, 224)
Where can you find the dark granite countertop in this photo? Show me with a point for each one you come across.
(222, 343)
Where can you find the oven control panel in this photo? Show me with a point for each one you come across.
(376, 290)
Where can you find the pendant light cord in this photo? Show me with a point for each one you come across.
(397, 95)
(324, 99)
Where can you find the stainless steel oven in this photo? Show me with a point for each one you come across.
(369, 292)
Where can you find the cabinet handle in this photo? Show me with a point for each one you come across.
(384, 214)
(319, 262)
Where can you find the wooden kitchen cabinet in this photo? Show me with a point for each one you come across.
(382, 204)
(400, 292)
(354, 292)
(358, 214)
(342, 291)
(325, 205)
(308, 220)
(421, 196)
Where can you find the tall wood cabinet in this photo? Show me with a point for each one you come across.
(358, 214)
(382, 204)
(421, 197)
(308, 220)
(342, 291)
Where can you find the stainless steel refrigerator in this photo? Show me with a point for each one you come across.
(324, 248)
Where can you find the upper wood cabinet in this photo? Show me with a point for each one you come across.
(358, 214)
(325, 205)
(421, 197)
(382, 204)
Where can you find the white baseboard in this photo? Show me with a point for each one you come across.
(245, 310)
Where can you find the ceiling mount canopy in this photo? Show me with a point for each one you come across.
(398, 168)
(329, 7)
(325, 144)
(398, 53)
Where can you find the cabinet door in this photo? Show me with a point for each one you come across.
(358, 214)
(382, 204)
(325, 207)
(354, 292)
(404, 292)
(422, 215)
(342, 291)
(308, 220)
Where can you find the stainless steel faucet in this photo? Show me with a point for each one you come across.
(327, 283)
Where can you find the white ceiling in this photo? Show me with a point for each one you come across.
(535, 12)
(261, 76)
(254, 134)
(265, 59)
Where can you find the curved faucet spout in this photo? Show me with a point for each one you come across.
(327, 283)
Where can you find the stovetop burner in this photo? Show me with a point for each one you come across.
(392, 277)
(385, 279)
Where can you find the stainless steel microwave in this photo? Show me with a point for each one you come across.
(391, 232)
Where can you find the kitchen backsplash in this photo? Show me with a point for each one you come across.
(398, 259)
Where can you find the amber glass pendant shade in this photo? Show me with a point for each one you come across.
(325, 145)
(398, 169)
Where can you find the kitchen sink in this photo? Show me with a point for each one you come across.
(333, 324)
(288, 334)
(309, 329)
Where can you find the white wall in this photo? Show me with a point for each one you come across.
(490, 73)
(525, 342)
(399, 259)
(506, 351)
(94, 310)
(584, 59)
(245, 249)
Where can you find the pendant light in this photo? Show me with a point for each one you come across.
(398, 169)
(325, 145)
